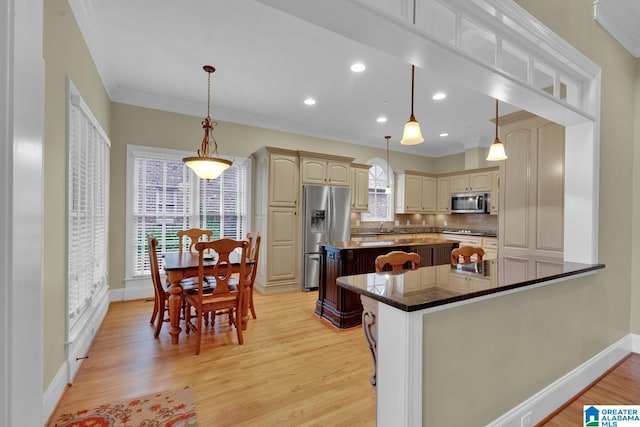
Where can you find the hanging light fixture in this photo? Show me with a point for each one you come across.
(205, 166)
(412, 134)
(388, 189)
(496, 151)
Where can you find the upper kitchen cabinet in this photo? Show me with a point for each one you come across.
(443, 201)
(471, 182)
(531, 220)
(323, 169)
(415, 192)
(359, 187)
(495, 192)
(283, 177)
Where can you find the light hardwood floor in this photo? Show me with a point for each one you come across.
(294, 369)
(620, 386)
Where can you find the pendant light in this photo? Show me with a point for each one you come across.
(205, 166)
(412, 134)
(388, 189)
(496, 151)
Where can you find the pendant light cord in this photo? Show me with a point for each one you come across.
(496, 118)
(412, 80)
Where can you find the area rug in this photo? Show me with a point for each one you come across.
(172, 408)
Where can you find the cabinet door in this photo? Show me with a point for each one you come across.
(495, 192)
(283, 180)
(282, 248)
(443, 195)
(428, 194)
(459, 183)
(360, 190)
(480, 181)
(338, 173)
(413, 193)
(314, 171)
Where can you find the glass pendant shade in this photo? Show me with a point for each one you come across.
(411, 134)
(496, 152)
(203, 165)
(207, 167)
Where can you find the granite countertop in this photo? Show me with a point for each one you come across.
(412, 290)
(364, 233)
(391, 242)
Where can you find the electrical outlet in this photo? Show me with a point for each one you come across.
(527, 420)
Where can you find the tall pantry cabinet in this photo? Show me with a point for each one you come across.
(531, 219)
(277, 191)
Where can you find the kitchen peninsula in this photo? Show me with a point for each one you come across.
(343, 307)
(403, 308)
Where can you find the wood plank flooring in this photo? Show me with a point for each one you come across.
(620, 386)
(294, 369)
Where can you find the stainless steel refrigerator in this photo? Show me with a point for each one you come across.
(325, 219)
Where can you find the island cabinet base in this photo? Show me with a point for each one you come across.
(342, 307)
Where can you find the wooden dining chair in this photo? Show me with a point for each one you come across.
(253, 252)
(161, 296)
(466, 252)
(194, 235)
(227, 294)
(397, 260)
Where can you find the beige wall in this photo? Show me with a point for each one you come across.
(635, 231)
(485, 358)
(65, 55)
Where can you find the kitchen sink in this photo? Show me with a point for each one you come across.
(376, 242)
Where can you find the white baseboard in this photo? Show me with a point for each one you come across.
(558, 393)
(77, 350)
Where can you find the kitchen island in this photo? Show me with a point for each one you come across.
(342, 307)
(399, 307)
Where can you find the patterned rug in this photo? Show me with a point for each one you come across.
(172, 408)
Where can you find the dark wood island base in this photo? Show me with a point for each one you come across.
(342, 307)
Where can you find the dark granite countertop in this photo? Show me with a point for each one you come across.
(485, 233)
(427, 287)
(391, 242)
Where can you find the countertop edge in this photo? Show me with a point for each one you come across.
(527, 284)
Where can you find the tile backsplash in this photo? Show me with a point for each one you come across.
(476, 222)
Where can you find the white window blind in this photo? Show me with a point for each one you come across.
(380, 204)
(167, 197)
(88, 209)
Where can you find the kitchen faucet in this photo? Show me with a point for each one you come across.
(381, 225)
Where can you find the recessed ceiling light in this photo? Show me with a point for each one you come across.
(381, 119)
(310, 101)
(358, 67)
(444, 134)
(438, 96)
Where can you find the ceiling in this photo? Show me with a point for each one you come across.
(150, 53)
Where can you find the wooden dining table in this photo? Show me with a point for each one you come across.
(180, 265)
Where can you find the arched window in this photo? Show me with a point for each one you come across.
(380, 202)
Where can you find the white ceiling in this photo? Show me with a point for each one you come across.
(621, 18)
(151, 52)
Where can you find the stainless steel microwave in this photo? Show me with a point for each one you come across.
(470, 203)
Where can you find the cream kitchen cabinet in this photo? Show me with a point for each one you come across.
(490, 247)
(495, 192)
(276, 219)
(415, 193)
(443, 195)
(531, 220)
(471, 182)
(329, 170)
(359, 187)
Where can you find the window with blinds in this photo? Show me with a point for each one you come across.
(168, 197)
(88, 210)
(380, 203)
